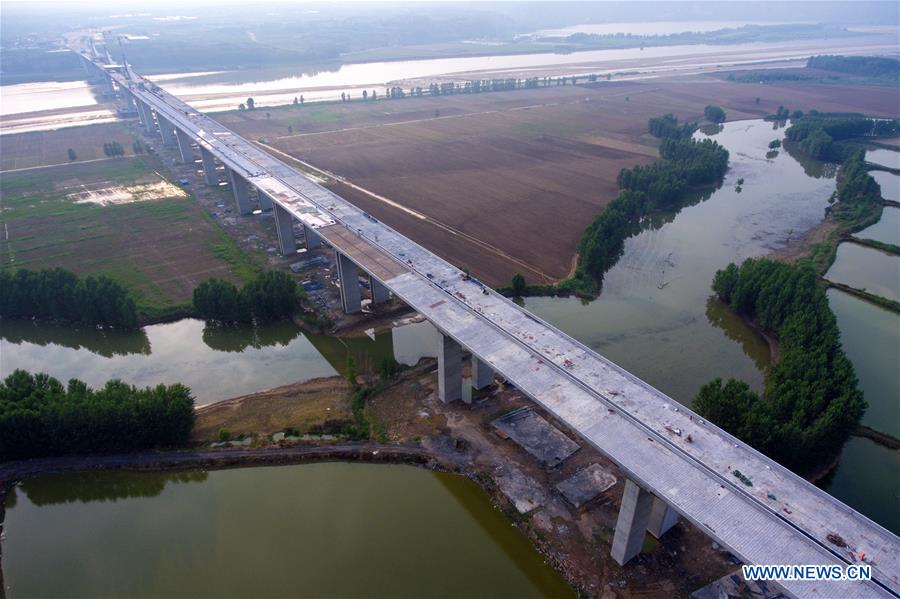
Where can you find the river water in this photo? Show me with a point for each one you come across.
(215, 362)
(224, 90)
(657, 319)
(433, 533)
(332, 529)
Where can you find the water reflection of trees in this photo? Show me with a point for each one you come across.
(103, 342)
(657, 220)
(753, 345)
(813, 168)
(86, 487)
(367, 353)
(235, 339)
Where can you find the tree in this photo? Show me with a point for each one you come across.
(352, 374)
(301, 99)
(269, 296)
(251, 103)
(388, 368)
(58, 294)
(518, 284)
(714, 114)
(241, 106)
(365, 94)
(811, 402)
(296, 101)
(39, 416)
(343, 97)
(71, 154)
(374, 95)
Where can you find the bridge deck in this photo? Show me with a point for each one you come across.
(641, 429)
(363, 253)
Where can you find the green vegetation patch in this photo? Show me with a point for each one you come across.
(811, 402)
(39, 416)
(158, 249)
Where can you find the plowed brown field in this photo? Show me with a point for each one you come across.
(505, 182)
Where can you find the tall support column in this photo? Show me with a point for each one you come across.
(631, 527)
(351, 299)
(265, 202)
(482, 374)
(662, 518)
(380, 293)
(449, 370)
(184, 146)
(209, 167)
(313, 239)
(241, 192)
(166, 130)
(146, 117)
(284, 227)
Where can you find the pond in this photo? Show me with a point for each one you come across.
(331, 529)
(886, 230)
(867, 269)
(890, 184)
(215, 362)
(881, 157)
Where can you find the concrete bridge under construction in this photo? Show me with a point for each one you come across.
(676, 464)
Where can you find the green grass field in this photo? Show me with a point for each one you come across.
(160, 249)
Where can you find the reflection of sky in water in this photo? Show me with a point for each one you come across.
(890, 184)
(413, 342)
(215, 363)
(888, 158)
(178, 354)
(866, 268)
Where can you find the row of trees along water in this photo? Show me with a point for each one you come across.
(823, 135)
(687, 163)
(811, 402)
(61, 295)
(39, 416)
(268, 296)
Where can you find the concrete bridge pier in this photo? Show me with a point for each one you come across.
(662, 518)
(209, 167)
(313, 239)
(241, 190)
(284, 227)
(380, 293)
(166, 131)
(146, 117)
(184, 146)
(265, 202)
(631, 527)
(351, 299)
(449, 370)
(482, 374)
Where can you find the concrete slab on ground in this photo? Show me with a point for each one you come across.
(537, 436)
(525, 493)
(586, 484)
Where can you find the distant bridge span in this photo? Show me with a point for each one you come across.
(780, 519)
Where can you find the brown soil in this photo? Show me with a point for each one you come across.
(300, 406)
(508, 181)
(25, 150)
